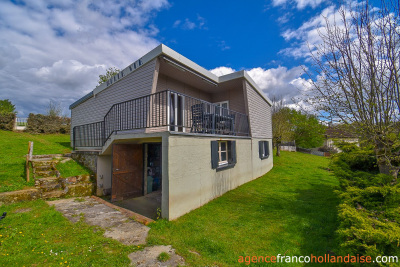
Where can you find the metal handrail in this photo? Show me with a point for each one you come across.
(163, 109)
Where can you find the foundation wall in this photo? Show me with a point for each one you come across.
(193, 182)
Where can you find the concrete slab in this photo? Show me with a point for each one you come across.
(148, 257)
(116, 224)
(145, 205)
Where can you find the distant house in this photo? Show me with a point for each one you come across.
(166, 126)
(339, 133)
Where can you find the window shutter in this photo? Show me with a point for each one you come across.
(260, 149)
(233, 152)
(214, 154)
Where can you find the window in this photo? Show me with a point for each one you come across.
(263, 147)
(222, 108)
(223, 154)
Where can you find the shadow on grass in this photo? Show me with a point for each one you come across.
(317, 208)
(65, 144)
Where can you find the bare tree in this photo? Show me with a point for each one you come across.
(54, 109)
(281, 126)
(358, 70)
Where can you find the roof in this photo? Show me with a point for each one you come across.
(339, 131)
(163, 50)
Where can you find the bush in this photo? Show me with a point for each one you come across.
(40, 123)
(7, 121)
(369, 212)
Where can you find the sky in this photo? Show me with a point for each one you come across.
(55, 50)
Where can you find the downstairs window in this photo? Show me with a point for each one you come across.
(223, 154)
(263, 148)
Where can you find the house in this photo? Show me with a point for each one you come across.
(339, 133)
(165, 126)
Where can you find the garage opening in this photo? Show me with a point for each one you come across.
(137, 178)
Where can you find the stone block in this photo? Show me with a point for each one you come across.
(49, 184)
(53, 194)
(80, 190)
(18, 196)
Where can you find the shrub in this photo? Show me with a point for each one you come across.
(369, 212)
(40, 123)
(7, 121)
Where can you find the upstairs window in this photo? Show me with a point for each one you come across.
(222, 108)
(263, 148)
(223, 154)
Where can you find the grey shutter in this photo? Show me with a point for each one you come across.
(260, 149)
(233, 152)
(214, 154)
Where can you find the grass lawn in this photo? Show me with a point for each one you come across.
(14, 147)
(34, 234)
(289, 211)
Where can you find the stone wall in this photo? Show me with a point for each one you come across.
(87, 159)
(53, 187)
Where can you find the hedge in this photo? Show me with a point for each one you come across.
(369, 210)
(7, 121)
(40, 123)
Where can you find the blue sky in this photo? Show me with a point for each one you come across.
(55, 49)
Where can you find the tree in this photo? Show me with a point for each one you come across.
(109, 74)
(54, 109)
(308, 132)
(281, 126)
(358, 80)
(6, 106)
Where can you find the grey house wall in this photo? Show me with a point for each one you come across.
(191, 180)
(136, 84)
(259, 114)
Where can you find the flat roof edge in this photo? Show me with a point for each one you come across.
(245, 75)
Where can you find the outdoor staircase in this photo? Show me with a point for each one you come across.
(45, 166)
(48, 180)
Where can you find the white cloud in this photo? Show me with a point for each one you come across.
(221, 71)
(307, 35)
(278, 82)
(300, 4)
(188, 24)
(57, 49)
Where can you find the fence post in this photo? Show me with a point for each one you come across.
(28, 158)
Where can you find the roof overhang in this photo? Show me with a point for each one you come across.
(175, 58)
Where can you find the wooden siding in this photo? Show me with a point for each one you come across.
(259, 114)
(168, 83)
(136, 84)
(234, 96)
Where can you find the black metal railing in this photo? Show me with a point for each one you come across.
(89, 135)
(174, 111)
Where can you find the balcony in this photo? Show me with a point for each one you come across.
(163, 111)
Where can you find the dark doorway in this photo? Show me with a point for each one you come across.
(153, 161)
(127, 176)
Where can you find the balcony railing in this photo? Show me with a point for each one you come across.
(163, 111)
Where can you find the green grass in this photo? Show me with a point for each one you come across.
(71, 168)
(14, 147)
(289, 211)
(34, 234)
